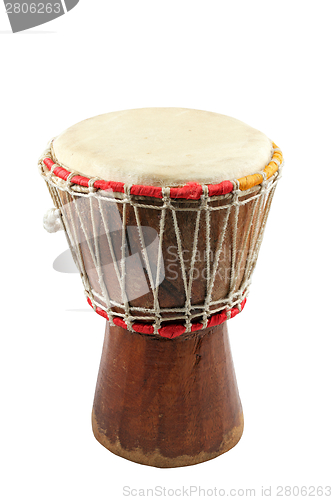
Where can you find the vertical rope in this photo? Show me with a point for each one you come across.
(98, 256)
(217, 258)
(77, 247)
(94, 258)
(234, 228)
(248, 232)
(112, 253)
(147, 262)
(254, 232)
(208, 250)
(262, 229)
(194, 252)
(123, 262)
(166, 201)
(180, 254)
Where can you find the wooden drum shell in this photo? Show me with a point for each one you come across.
(167, 403)
(243, 228)
(159, 401)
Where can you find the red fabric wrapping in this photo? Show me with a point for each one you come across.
(89, 302)
(217, 319)
(63, 174)
(120, 322)
(117, 187)
(101, 312)
(196, 326)
(49, 163)
(79, 179)
(153, 191)
(171, 331)
(191, 191)
(140, 328)
(219, 189)
(234, 311)
(98, 309)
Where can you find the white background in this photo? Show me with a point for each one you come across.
(266, 63)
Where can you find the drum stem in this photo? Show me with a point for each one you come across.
(167, 403)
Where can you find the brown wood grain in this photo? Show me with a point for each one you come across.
(167, 403)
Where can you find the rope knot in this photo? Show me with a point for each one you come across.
(52, 221)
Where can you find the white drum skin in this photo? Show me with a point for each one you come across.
(163, 147)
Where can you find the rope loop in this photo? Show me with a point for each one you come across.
(91, 182)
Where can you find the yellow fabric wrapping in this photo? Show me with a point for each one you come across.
(253, 180)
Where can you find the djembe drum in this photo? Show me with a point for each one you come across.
(164, 211)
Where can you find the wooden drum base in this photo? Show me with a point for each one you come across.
(167, 403)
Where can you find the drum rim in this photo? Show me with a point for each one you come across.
(190, 191)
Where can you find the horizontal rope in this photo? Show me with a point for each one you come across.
(176, 329)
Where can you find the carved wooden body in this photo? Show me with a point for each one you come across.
(169, 402)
